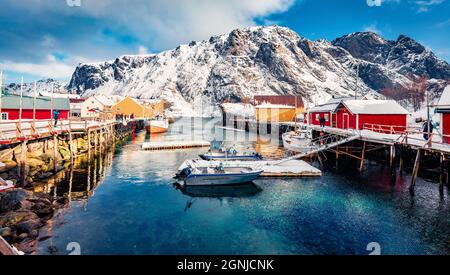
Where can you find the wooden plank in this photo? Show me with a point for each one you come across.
(6, 249)
(415, 171)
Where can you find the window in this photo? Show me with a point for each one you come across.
(326, 116)
(317, 117)
(4, 116)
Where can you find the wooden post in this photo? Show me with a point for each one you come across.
(401, 164)
(71, 142)
(55, 152)
(393, 165)
(441, 176)
(448, 175)
(361, 166)
(23, 162)
(89, 144)
(337, 157)
(96, 140)
(415, 171)
(391, 156)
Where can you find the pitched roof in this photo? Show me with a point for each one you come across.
(41, 103)
(444, 101)
(374, 107)
(104, 100)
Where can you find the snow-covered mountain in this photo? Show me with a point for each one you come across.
(44, 86)
(194, 78)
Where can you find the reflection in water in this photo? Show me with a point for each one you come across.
(234, 191)
(136, 210)
(79, 181)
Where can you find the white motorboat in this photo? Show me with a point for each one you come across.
(157, 125)
(207, 176)
(300, 142)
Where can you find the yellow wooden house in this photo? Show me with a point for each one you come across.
(276, 113)
(132, 107)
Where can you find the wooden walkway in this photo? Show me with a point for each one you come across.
(17, 131)
(6, 249)
(173, 145)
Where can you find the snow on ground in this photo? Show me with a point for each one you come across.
(239, 109)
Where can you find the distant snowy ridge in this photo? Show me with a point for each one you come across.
(273, 60)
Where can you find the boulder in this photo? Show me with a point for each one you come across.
(13, 200)
(9, 164)
(64, 152)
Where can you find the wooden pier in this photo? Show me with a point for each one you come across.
(173, 145)
(19, 139)
(399, 146)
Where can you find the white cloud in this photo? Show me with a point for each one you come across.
(45, 70)
(165, 24)
(374, 3)
(48, 41)
(373, 28)
(50, 68)
(377, 3)
(425, 5)
(142, 50)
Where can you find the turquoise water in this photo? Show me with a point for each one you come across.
(135, 209)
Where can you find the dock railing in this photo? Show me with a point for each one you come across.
(412, 135)
(12, 131)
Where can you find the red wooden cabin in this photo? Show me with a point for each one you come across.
(385, 116)
(10, 107)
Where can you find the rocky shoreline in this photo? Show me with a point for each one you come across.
(23, 213)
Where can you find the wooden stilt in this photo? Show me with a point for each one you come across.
(23, 163)
(361, 166)
(337, 157)
(441, 176)
(89, 144)
(391, 156)
(401, 161)
(71, 147)
(415, 171)
(448, 175)
(95, 140)
(55, 152)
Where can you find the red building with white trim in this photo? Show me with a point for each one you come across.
(386, 116)
(42, 106)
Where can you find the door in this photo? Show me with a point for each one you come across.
(345, 121)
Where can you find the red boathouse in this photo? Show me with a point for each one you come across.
(385, 116)
(43, 106)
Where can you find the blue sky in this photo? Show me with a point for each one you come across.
(48, 38)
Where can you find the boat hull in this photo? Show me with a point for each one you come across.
(157, 126)
(296, 145)
(220, 179)
(219, 157)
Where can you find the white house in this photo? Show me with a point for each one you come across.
(95, 106)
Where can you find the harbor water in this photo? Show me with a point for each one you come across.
(125, 202)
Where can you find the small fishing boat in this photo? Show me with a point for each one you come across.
(298, 141)
(217, 151)
(157, 125)
(220, 175)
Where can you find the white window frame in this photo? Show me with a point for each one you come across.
(317, 117)
(327, 117)
(6, 114)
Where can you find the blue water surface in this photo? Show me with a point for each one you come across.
(135, 209)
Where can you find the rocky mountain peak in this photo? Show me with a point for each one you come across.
(261, 60)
